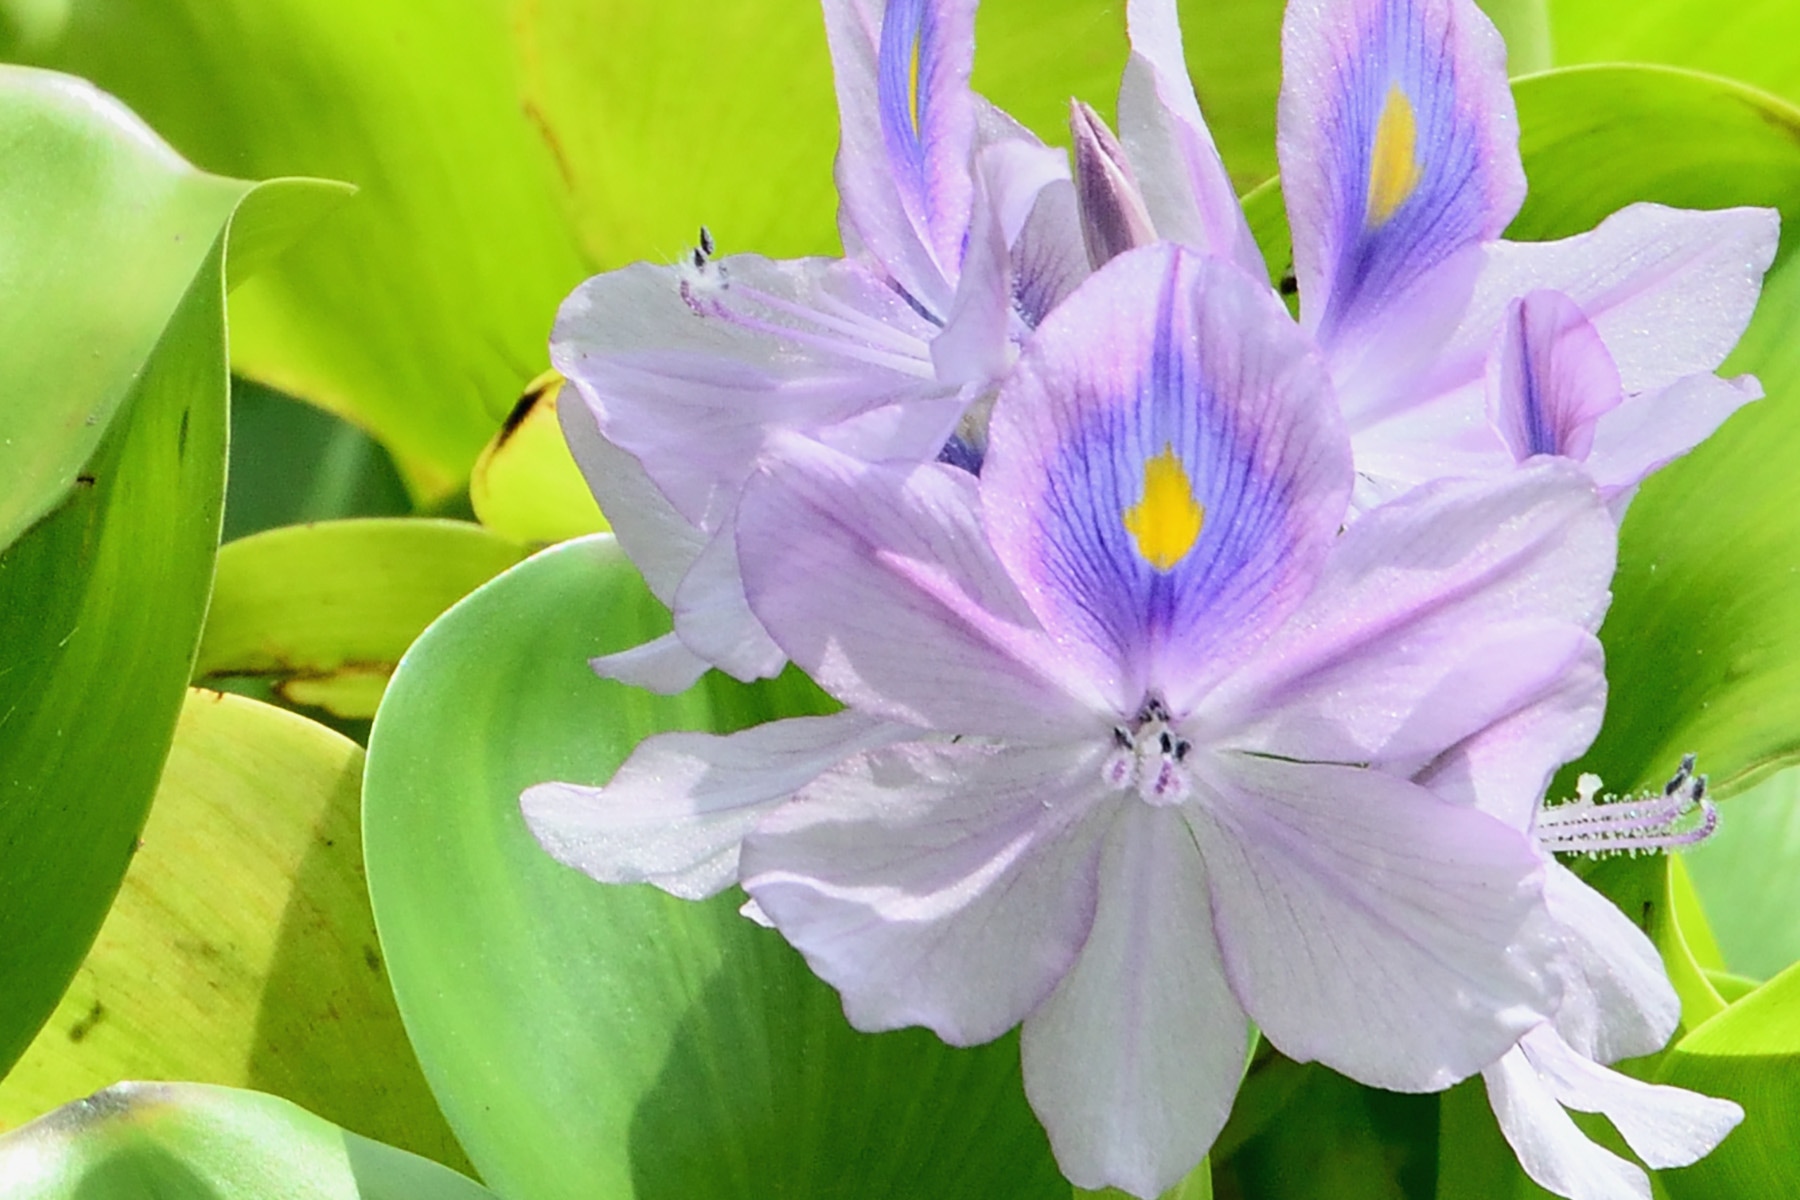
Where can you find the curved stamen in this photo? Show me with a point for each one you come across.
(1682, 815)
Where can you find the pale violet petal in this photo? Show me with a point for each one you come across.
(676, 812)
(690, 369)
(1410, 591)
(1549, 1146)
(1113, 216)
(1049, 261)
(1133, 1062)
(660, 542)
(1550, 379)
(1398, 143)
(907, 127)
(713, 619)
(1548, 719)
(1648, 432)
(1665, 1126)
(879, 582)
(1670, 290)
(1617, 1000)
(1183, 179)
(1165, 472)
(1364, 923)
(662, 665)
(941, 884)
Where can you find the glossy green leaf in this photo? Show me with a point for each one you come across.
(103, 229)
(1751, 40)
(101, 605)
(1525, 24)
(1749, 1053)
(190, 1141)
(1333, 1139)
(1748, 877)
(1644, 891)
(1197, 1186)
(612, 1041)
(526, 485)
(241, 949)
(325, 611)
(1474, 1160)
(421, 308)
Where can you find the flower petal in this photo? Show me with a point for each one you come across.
(714, 621)
(1133, 1062)
(675, 813)
(907, 130)
(1550, 379)
(1545, 718)
(1648, 432)
(1665, 1126)
(879, 582)
(1166, 470)
(1550, 1147)
(662, 665)
(942, 884)
(1412, 593)
(1183, 179)
(1368, 925)
(1398, 144)
(1617, 1000)
(1669, 290)
(661, 543)
(691, 369)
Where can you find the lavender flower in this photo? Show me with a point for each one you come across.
(685, 371)
(1452, 351)
(1110, 709)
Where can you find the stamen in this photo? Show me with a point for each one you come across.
(1682, 815)
(1147, 757)
(833, 327)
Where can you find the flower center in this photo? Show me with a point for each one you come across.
(1147, 756)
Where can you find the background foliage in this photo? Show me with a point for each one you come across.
(487, 1009)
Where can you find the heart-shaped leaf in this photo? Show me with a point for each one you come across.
(591, 1040)
(241, 949)
(191, 1141)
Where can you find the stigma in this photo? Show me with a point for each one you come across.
(1147, 757)
(1682, 815)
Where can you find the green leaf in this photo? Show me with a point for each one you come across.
(190, 1141)
(103, 229)
(613, 1041)
(1525, 24)
(1749, 1053)
(526, 485)
(327, 610)
(1703, 640)
(420, 309)
(101, 601)
(1645, 891)
(1748, 877)
(1335, 1140)
(241, 949)
(1751, 40)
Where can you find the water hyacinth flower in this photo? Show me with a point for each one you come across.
(1453, 352)
(685, 371)
(1104, 766)
(1616, 1003)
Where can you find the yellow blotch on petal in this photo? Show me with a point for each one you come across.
(912, 84)
(1165, 523)
(1394, 164)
